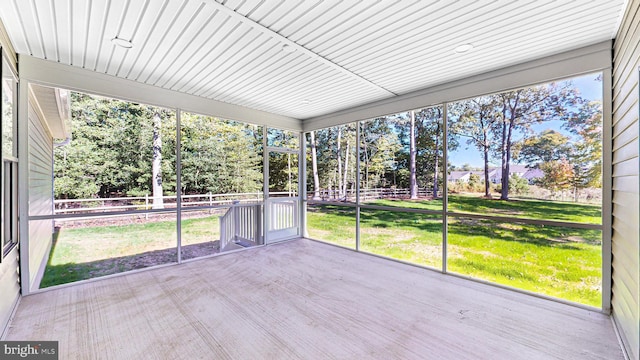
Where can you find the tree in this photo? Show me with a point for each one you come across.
(429, 140)
(380, 149)
(519, 185)
(115, 144)
(475, 123)
(557, 175)
(314, 166)
(158, 201)
(586, 154)
(413, 183)
(549, 145)
(522, 108)
(111, 149)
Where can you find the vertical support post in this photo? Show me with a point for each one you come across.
(178, 186)
(146, 206)
(210, 202)
(607, 186)
(258, 222)
(357, 186)
(302, 185)
(235, 220)
(445, 188)
(223, 232)
(23, 178)
(265, 185)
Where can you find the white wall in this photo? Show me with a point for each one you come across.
(9, 287)
(40, 162)
(625, 237)
(9, 279)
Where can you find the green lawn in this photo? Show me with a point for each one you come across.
(555, 261)
(523, 208)
(93, 251)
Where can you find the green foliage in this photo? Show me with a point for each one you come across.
(586, 154)
(111, 149)
(568, 163)
(557, 175)
(220, 156)
(111, 152)
(518, 185)
(549, 145)
(8, 116)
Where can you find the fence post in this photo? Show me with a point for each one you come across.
(210, 202)
(146, 206)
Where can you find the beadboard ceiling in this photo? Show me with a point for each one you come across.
(302, 59)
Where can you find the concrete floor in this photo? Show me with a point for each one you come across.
(306, 300)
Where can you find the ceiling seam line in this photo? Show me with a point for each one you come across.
(239, 17)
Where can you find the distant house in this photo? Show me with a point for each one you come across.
(532, 174)
(460, 176)
(495, 175)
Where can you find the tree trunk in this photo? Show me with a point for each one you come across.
(346, 171)
(435, 168)
(339, 155)
(486, 169)
(366, 157)
(156, 170)
(289, 174)
(314, 167)
(413, 183)
(504, 168)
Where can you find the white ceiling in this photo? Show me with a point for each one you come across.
(347, 53)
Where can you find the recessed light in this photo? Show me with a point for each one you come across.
(126, 44)
(305, 102)
(460, 49)
(288, 48)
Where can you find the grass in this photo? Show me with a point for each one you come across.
(523, 208)
(93, 251)
(527, 208)
(556, 261)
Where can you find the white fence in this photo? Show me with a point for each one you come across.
(283, 214)
(97, 205)
(368, 194)
(241, 222)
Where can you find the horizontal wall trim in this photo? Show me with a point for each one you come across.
(54, 74)
(7, 47)
(585, 60)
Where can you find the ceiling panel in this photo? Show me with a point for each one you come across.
(343, 54)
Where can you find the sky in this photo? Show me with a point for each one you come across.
(467, 154)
